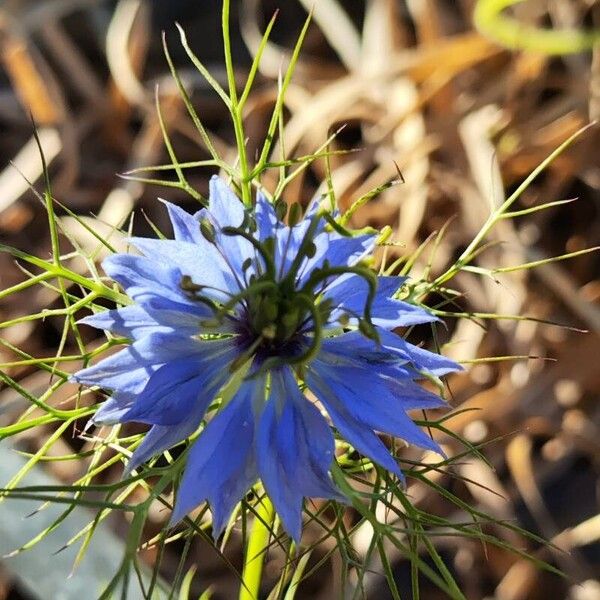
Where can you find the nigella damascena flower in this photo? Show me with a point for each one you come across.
(237, 291)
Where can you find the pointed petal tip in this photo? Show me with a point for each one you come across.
(218, 185)
(296, 536)
(91, 423)
(219, 519)
(86, 320)
(177, 515)
(131, 466)
(396, 470)
(292, 523)
(219, 522)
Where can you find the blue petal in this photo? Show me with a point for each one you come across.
(337, 251)
(266, 219)
(201, 262)
(378, 402)
(221, 466)
(122, 372)
(129, 321)
(422, 360)
(313, 207)
(354, 350)
(226, 208)
(160, 438)
(353, 345)
(287, 246)
(372, 369)
(134, 322)
(153, 284)
(112, 410)
(349, 295)
(130, 369)
(186, 227)
(183, 384)
(354, 430)
(140, 273)
(289, 240)
(295, 448)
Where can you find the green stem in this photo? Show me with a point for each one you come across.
(235, 108)
(499, 213)
(256, 550)
(515, 35)
(60, 271)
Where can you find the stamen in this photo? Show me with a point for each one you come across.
(270, 266)
(209, 231)
(302, 250)
(258, 286)
(366, 274)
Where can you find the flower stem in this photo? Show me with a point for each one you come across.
(235, 109)
(256, 550)
(490, 20)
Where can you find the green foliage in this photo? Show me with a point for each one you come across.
(509, 32)
(409, 529)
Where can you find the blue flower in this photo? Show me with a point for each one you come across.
(239, 295)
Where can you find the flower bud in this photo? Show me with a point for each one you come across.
(207, 229)
(295, 214)
(368, 330)
(280, 209)
(187, 285)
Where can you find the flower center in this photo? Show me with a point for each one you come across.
(280, 310)
(274, 316)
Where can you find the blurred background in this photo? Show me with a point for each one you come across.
(415, 86)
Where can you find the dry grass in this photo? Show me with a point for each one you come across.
(463, 120)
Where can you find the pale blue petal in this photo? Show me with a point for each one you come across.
(339, 251)
(287, 246)
(129, 321)
(355, 351)
(202, 263)
(112, 410)
(186, 227)
(349, 295)
(378, 402)
(153, 285)
(129, 369)
(354, 345)
(289, 240)
(378, 383)
(266, 219)
(134, 322)
(423, 360)
(226, 208)
(271, 469)
(137, 273)
(122, 372)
